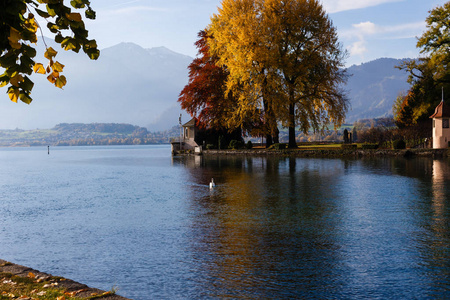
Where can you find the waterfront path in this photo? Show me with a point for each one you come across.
(334, 153)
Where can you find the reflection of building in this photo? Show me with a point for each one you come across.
(441, 130)
(187, 140)
(441, 170)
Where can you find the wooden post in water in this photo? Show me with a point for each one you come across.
(48, 150)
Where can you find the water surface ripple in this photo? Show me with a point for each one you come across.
(273, 228)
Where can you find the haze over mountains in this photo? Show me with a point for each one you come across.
(129, 84)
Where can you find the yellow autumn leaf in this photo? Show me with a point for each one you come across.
(50, 53)
(57, 67)
(52, 78)
(14, 37)
(39, 68)
(16, 79)
(31, 24)
(61, 81)
(13, 94)
(31, 275)
(61, 298)
(74, 17)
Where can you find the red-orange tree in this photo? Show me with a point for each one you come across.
(204, 96)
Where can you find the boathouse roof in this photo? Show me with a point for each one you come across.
(191, 123)
(441, 111)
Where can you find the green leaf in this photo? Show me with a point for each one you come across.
(61, 81)
(77, 4)
(29, 51)
(25, 98)
(90, 14)
(42, 13)
(26, 84)
(93, 53)
(51, 11)
(4, 79)
(59, 38)
(26, 64)
(8, 60)
(53, 27)
(70, 44)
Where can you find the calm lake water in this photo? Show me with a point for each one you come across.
(273, 228)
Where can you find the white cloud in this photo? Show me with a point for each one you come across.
(365, 28)
(357, 48)
(360, 35)
(333, 6)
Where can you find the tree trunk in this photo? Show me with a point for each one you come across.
(269, 141)
(270, 118)
(271, 125)
(276, 135)
(292, 142)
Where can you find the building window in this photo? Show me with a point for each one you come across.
(445, 123)
(186, 134)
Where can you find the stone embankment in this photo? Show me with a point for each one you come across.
(335, 153)
(70, 287)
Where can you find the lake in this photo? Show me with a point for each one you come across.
(135, 218)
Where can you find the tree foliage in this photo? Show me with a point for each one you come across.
(19, 31)
(428, 75)
(283, 58)
(204, 95)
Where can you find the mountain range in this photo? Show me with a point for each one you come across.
(130, 84)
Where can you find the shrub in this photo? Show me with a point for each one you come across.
(249, 145)
(349, 146)
(209, 146)
(369, 146)
(235, 144)
(399, 144)
(278, 146)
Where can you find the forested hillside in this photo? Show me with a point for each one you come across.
(78, 134)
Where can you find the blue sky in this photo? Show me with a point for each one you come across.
(368, 29)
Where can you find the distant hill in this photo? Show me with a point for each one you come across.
(130, 84)
(78, 134)
(373, 88)
(127, 84)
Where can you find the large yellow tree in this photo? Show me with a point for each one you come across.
(19, 32)
(283, 57)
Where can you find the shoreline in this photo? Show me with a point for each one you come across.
(68, 286)
(334, 153)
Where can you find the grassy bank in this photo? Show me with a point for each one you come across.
(19, 282)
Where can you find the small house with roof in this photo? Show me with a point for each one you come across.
(187, 139)
(441, 128)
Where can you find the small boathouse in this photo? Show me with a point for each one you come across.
(187, 139)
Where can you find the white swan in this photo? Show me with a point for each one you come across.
(212, 184)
